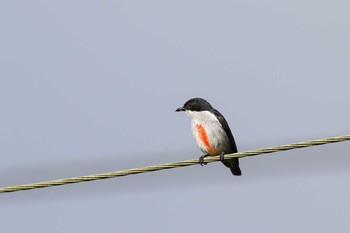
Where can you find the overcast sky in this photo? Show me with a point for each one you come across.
(92, 86)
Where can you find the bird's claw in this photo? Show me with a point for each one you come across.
(201, 160)
(222, 156)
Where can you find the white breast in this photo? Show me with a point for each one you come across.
(216, 135)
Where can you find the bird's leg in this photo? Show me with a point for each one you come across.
(222, 156)
(201, 160)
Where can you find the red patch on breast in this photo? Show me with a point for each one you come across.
(205, 140)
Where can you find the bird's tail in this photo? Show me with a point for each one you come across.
(233, 164)
(234, 167)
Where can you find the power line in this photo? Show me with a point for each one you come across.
(172, 165)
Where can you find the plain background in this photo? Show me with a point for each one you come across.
(92, 86)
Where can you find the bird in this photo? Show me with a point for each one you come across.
(211, 132)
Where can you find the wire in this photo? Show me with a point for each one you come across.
(172, 165)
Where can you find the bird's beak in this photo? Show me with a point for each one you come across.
(180, 109)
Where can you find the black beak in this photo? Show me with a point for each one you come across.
(180, 109)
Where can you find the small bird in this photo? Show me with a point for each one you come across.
(211, 132)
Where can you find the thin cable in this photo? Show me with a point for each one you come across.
(172, 165)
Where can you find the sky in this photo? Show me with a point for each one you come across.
(92, 86)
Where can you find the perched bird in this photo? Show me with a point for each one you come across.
(211, 132)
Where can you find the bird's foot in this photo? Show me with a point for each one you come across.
(201, 160)
(222, 155)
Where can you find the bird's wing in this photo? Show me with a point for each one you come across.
(226, 128)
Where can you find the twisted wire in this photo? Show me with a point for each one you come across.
(172, 164)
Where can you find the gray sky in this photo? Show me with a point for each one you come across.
(92, 86)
